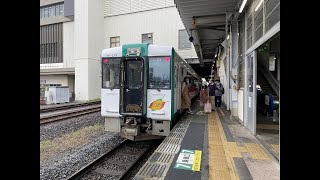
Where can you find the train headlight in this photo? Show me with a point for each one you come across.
(133, 51)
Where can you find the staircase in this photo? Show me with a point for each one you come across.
(269, 85)
(265, 86)
(265, 83)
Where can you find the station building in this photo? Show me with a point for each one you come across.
(74, 33)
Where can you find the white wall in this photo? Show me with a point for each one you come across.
(163, 23)
(56, 79)
(68, 44)
(88, 45)
(240, 104)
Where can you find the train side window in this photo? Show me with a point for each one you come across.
(111, 73)
(176, 76)
(159, 72)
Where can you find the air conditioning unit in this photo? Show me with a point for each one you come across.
(59, 94)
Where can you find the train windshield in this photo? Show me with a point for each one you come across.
(111, 73)
(159, 72)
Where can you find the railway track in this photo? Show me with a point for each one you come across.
(68, 106)
(115, 164)
(58, 116)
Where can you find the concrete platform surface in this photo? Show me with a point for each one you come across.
(210, 146)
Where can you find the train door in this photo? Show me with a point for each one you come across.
(250, 113)
(133, 87)
(177, 87)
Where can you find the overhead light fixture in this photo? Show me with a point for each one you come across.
(242, 5)
(228, 36)
(215, 55)
(261, 1)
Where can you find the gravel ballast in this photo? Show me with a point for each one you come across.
(55, 129)
(66, 163)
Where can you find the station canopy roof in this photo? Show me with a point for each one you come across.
(205, 21)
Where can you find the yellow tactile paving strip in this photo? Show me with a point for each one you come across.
(256, 151)
(276, 147)
(221, 152)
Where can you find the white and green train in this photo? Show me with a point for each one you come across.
(141, 89)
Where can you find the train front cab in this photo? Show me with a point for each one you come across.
(144, 111)
(142, 90)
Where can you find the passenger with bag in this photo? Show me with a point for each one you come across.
(219, 90)
(204, 99)
(211, 93)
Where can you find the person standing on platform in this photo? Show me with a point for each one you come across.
(212, 93)
(185, 97)
(218, 93)
(204, 95)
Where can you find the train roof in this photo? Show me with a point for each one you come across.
(153, 50)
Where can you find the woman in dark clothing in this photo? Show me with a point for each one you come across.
(218, 93)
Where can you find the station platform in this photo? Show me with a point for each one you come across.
(268, 134)
(210, 146)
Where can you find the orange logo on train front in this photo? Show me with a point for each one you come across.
(157, 104)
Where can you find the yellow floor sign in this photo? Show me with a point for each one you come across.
(189, 160)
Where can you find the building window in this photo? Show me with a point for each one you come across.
(258, 23)
(57, 9)
(115, 41)
(51, 10)
(46, 14)
(249, 24)
(51, 48)
(184, 42)
(272, 15)
(61, 9)
(147, 38)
